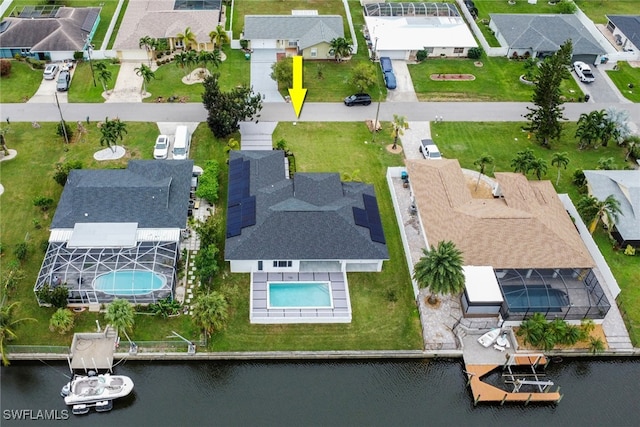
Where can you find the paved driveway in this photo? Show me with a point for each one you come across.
(47, 90)
(404, 92)
(602, 89)
(261, 60)
(411, 139)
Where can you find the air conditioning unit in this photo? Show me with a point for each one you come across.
(496, 191)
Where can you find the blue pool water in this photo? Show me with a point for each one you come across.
(535, 298)
(296, 294)
(129, 282)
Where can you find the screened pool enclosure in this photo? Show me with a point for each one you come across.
(410, 9)
(570, 294)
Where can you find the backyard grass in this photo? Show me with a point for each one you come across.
(108, 9)
(622, 77)
(21, 84)
(496, 80)
(82, 88)
(467, 141)
(234, 71)
(597, 10)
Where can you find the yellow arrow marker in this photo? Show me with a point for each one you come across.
(296, 93)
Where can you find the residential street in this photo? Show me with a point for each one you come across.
(319, 112)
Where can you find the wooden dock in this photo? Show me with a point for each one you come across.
(484, 392)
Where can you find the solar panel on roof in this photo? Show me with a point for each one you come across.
(373, 217)
(248, 211)
(360, 217)
(234, 220)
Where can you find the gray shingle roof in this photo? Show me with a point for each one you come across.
(309, 217)
(62, 33)
(625, 186)
(545, 32)
(308, 29)
(629, 25)
(153, 193)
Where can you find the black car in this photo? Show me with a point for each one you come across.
(357, 99)
(63, 81)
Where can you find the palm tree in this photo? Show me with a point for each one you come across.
(340, 48)
(606, 163)
(147, 75)
(205, 58)
(593, 210)
(596, 345)
(440, 270)
(104, 75)
(560, 160)
(211, 312)
(61, 321)
(533, 329)
(482, 162)
(7, 324)
(218, 37)
(148, 43)
(120, 314)
(111, 131)
(399, 125)
(588, 129)
(522, 161)
(3, 141)
(539, 167)
(187, 38)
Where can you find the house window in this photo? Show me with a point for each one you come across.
(179, 44)
(293, 43)
(458, 50)
(259, 265)
(282, 264)
(314, 53)
(429, 50)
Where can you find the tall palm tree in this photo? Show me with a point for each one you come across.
(111, 131)
(539, 167)
(522, 161)
(104, 75)
(560, 160)
(188, 38)
(205, 58)
(588, 129)
(7, 325)
(120, 314)
(440, 270)
(148, 43)
(147, 75)
(594, 210)
(211, 312)
(218, 37)
(482, 162)
(399, 125)
(340, 48)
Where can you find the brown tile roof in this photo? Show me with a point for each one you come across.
(527, 228)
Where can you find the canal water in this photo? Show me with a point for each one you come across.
(323, 393)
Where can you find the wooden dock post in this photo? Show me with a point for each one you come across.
(475, 402)
(503, 399)
(559, 398)
(528, 399)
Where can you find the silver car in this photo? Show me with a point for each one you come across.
(50, 71)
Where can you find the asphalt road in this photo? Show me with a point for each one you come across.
(319, 112)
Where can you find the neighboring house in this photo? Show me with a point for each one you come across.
(625, 30)
(624, 185)
(48, 32)
(116, 232)
(311, 228)
(542, 35)
(165, 19)
(400, 30)
(525, 235)
(306, 35)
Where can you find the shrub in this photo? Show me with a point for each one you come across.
(21, 251)
(244, 44)
(566, 7)
(115, 61)
(208, 182)
(475, 53)
(579, 180)
(630, 250)
(61, 321)
(43, 202)
(78, 55)
(18, 57)
(60, 130)
(422, 55)
(5, 67)
(62, 171)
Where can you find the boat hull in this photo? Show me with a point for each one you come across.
(87, 390)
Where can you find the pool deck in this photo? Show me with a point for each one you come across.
(339, 313)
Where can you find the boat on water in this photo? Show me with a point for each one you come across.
(489, 338)
(93, 389)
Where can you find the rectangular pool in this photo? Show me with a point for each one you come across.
(299, 295)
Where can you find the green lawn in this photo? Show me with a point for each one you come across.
(467, 141)
(21, 84)
(623, 76)
(496, 80)
(597, 10)
(108, 9)
(234, 71)
(82, 88)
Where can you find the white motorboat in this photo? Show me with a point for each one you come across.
(489, 338)
(84, 390)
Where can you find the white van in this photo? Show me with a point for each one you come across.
(181, 143)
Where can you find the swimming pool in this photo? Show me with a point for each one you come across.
(535, 298)
(299, 295)
(129, 282)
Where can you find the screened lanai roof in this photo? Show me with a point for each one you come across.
(410, 9)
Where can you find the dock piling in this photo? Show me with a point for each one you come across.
(475, 402)
(503, 399)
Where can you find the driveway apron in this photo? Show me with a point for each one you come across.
(602, 89)
(261, 61)
(128, 84)
(404, 92)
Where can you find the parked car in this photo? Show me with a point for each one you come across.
(50, 71)
(429, 149)
(390, 80)
(64, 78)
(161, 149)
(357, 99)
(385, 63)
(584, 72)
